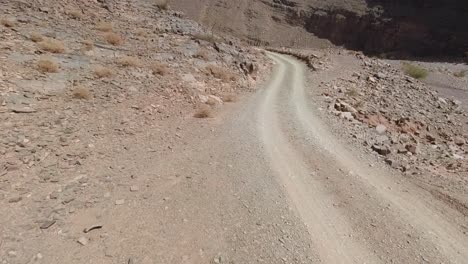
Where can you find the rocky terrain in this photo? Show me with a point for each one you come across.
(409, 125)
(397, 28)
(119, 141)
(80, 80)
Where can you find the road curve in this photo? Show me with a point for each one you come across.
(353, 213)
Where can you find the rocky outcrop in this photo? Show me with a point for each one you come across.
(395, 27)
(418, 28)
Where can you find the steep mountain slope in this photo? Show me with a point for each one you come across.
(401, 27)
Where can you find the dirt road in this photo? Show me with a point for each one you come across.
(354, 213)
(262, 182)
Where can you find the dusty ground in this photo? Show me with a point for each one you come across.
(282, 171)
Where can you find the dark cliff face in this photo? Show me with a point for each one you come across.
(402, 27)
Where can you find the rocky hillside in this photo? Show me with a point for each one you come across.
(421, 28)
(80, 83)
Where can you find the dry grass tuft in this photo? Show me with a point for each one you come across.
(159, 69)
(6, 22)
(36, 37)
(113, 39)
(220, 73)
(88, 44)
(460, 74)
(129, 61)
(229, 98)
(141, 32)
(104, 27)
(102, 72)
(75, 14)
(203, 112)
(81, 92)
(52, 45)
(202, 54)
(415, 71)
(47, 65)
(352, 92)
(162, 4)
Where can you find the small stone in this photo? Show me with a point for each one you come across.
(15, 199)
(413, 148)
(46, 224)
(39, 256)
(22, 110)
(347, 115)
(119, 202)
(12, 253)
(382, 150)
(83, 241)
(134, 188)
(459, 141)
(381, 129)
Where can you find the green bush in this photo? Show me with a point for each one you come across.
(415, 71)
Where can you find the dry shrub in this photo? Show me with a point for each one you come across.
(47, 65)
(52, 45)
(229, 98)
(202, 54)
(159, 69)
(36, 37)
(211, 102)
(352, 92)
(113, 39)
(88, 44)
(221, 73)
(415, 71)
(104, 27)
(141, 32)
(75, 14)
(129, 61)
(6, 22)
(460, 74)
(203, 112)
(102, 72)
(162, 4)
(81, 92)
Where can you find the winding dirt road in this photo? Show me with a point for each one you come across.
(354, 213)
(263, 182)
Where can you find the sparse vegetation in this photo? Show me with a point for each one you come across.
(211, 101)
(141, 32)
(220, 73)
(203, 112)
(36, 37)
(113, 38)
(202, 54)
(352, 92)
(129, 61)
(162, 4)
(75, 14)
(104, 27)
(229, 98)
(159, 68)
(52, 45)
(6, 22)
(415, 71)
(88, 44)
(102, 72)
(47, 65)
(81, 92)
(460, 74)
